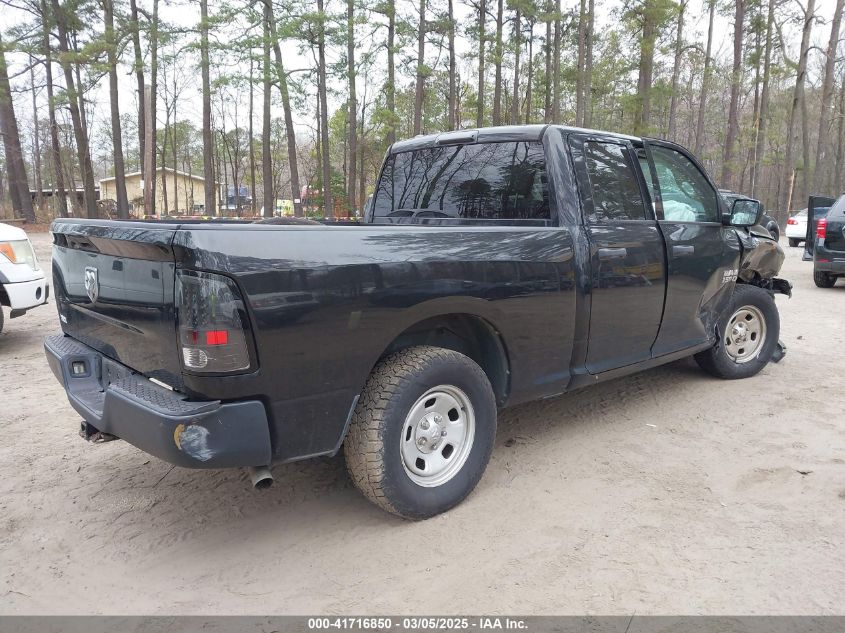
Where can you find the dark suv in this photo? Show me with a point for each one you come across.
(766, 221)
(829, 252)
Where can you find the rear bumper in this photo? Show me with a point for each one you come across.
(114, 399)
(24, 295)
(828, 261)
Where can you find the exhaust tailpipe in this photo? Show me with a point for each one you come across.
(260, 476)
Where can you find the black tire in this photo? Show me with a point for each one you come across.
(794, 241)
(775, 231)
(824, 280)
(1, 319)
(373, 445)
(716, 360)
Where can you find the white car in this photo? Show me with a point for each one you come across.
(22, 282)
(796, 228)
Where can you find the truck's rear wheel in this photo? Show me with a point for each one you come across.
(748, 335)
(422, 432)
(824, 280)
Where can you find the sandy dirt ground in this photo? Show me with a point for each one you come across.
(664, 492)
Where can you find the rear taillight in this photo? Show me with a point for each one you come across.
(210, 318)
(821, 229)
(792, 221)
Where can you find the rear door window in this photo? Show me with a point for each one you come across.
(613, 183)
(477, 182)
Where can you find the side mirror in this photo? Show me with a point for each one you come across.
(745, 212)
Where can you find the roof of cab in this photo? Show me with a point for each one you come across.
(532, 132)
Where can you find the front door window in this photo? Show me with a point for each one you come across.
(686, 193)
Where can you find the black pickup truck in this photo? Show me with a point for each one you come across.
(496, 266)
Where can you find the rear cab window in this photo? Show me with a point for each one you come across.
(487, 183)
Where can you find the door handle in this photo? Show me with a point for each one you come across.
(613, 253)
(683, 251)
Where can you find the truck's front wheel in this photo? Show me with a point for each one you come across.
(749, 335)
(422, 432)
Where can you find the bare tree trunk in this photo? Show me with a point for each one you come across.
(482, 40)
(266, 85)
(728, 166)
(80, 88)
(453, 90)
(324, 130)
(827, 98)
(353, 103)
(362, 182)
(148, 157)
(391, 72)
(705, 83)
(676, 69)
(497, 59)
(207, 138)
(517, 48)
(547, 96)
(56, 150)
(588, 66)
(266, 154)
(36, 139)
(139, 77)
(805, 145)
(755, 113)
(419, 92)
(117, 138)
(529, 110)
(82, 148)
(173, 149)
(152, 104)
(579, 73)
(797, 100)
(290, 131)
(556, 67)
(763, 111)
(642, 115)
(15, 165)
(838, 179)
(164, 197)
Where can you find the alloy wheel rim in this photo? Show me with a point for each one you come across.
(437, 436)
(745, 335)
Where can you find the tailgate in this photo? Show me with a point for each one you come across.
(835, 239)
(835, 234)
(114, 290)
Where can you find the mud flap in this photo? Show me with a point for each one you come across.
(779, 353)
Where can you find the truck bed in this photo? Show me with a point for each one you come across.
(324, 302)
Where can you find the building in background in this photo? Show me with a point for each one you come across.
(185, 192)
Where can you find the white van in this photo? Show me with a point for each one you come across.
(22, 282)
